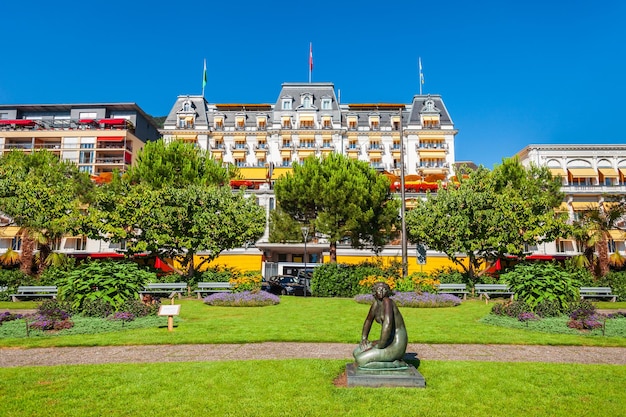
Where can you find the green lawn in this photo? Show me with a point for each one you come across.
(305, 388)
(316, 320)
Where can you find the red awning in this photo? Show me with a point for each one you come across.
(113, 121)
(19, 122)
(107, 255)
(86, 121)
(110, 138)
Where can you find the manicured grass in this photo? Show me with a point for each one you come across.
(313, 319)
(305, 388)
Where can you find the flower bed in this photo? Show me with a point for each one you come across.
(242, 299)
(412, 299)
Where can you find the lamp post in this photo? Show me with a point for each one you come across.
(305, 235)
(405, 261)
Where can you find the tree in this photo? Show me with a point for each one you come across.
(172, 203)
(489, 215)
(340, 197)
(593, 233)
(46, 197)
(176, 163)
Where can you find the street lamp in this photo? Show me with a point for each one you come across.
(305, 235)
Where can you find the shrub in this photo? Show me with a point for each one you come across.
(52, 315)
(8, 316)
(584, 317)
(248, 281)
(219, 273)
(122, 316)
(112, 282)
(412, 299)
(334, 280)
(13, 278)
(536, 282)
(615, 280)
(510, 309)
(449, 275)
(242, 299)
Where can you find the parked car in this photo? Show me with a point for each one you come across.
(284, 285)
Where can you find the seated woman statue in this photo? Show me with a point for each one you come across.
(388, 351)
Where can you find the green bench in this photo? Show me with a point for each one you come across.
(213, 287)
(493, 290)
(597, 292)
(35, 291)
(162, 288)
(454, 289)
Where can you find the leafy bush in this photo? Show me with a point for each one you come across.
(8, 316)
(13, 278)
(510, 309)
(112, 282)
(242, 299)
(536, 282)
(334, 280)
(449, 275)
(52, 315)
(615, 280)
(219, 273)
(248, 281)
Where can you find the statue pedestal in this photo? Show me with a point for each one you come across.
(409, 377)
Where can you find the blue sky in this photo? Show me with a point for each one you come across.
(512, 73)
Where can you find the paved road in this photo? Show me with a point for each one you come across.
(10, 357)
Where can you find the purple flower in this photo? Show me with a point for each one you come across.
(527, 316)
(122, 316)
(412, 299)
(242, 299)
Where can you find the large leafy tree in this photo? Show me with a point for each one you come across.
(490, 215)
(340, 197)
(176, 207)
(46, 197)
(592, 231)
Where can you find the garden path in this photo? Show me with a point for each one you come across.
(11, 357)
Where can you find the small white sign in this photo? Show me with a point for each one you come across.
(169, 310)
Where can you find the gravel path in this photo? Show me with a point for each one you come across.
(10, 357)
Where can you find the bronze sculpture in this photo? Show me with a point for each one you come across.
(388, 351)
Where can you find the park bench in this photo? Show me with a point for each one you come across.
(454, 289)
(597, 292)
(213, 287)
(161, 288)
(493, 290)
(35, 291)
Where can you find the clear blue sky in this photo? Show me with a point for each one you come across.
(512, 73)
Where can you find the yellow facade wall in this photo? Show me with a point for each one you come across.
(433, 263)
(243, 263)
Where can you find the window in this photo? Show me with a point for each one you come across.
(374, 123)
(307, 143)
(240, 122)
(396, 144)
(219, 123)
(86, 157)
(55, 244)
(240, 162)
(88, 169)
(86, 145)
(375, 145)
(327, 144)
(326, 104)
(286, 144)
(262, 144)
(376, 163)
(16, 243)
(87, 115)
(286, 122)
(261, 123)
(306, 102)
(327, 122)
(611, 245)
(219, 144)
(306, 124)
(286, 162)
(261, 162)
(240, 145)
(286, 104)
(352, 122)
(80, 244)
(353, 144)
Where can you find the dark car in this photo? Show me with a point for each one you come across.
(284, 285)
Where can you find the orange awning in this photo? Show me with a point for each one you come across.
(9, 231)
(582, 172)
(608, 172)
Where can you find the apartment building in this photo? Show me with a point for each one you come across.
(589, 173)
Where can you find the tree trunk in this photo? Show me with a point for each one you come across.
(603, 256)
(333, 252)
(27, 259)
(44, 252)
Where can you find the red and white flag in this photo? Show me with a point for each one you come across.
(311, 56)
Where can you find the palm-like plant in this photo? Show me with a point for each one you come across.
(10, 257)
(593, 233)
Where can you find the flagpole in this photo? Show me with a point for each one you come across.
(421, 81)
(204, 78)
(310, 60)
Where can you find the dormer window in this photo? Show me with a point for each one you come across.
(326, 104)
(261, 122)
(219, 123)
(185, 122)
(186, 106)
(306, 102)
(374, 123)
(286, 104)
(240, 122)
(352, 122)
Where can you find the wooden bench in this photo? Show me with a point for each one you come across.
(35, 291)
(454, 289)
(597, 292)
(213, 287)
(169, 288)
(490, 290)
